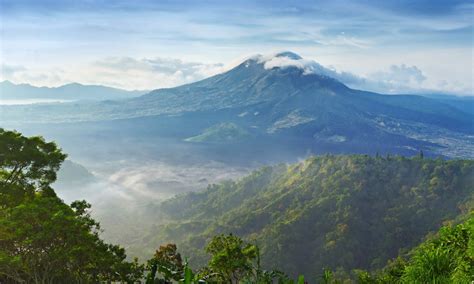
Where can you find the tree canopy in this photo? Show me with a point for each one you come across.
(27, 165)
(42, 239)
(337, 212)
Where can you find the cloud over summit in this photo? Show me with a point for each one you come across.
(397, 79)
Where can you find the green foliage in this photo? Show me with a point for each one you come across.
(327, 276)
(167, 262)
(232, 261)
(43, 240)
(335, 212)
(188, 275)
(27, 165)
(324, 212)
(231, 258)
(449, 257)
(223, 132)
(364, 277)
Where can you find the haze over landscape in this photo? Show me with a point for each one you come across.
(331, 136)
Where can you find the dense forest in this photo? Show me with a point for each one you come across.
(447, 257)
(336, 212)
(326, 218)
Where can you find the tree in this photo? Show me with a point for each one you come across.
(42, 239)
(231, 257)
(45, 240)
(168, 262)
(447, 258)
(27, 164)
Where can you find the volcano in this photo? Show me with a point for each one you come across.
(284, 99)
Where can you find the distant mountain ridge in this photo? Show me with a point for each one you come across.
(283, 99)
(72, 91)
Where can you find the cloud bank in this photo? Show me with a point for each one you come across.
(396, 80)
(120, 72)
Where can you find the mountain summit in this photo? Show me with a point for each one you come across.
(288, 59)
(289, 54)
(260, 79)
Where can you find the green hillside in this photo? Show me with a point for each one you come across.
(336, 212)
(445, 257)
(223, 132)
(345, 216)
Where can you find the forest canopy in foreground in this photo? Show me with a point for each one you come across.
(332, 213)
(336, 212)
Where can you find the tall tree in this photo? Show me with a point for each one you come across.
(42, 239)
(231, 258)
(167, 261)
(27, 165)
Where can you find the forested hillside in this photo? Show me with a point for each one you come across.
(332, 219)
(336, 212)
(447, 257)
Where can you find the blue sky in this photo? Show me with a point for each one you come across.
(409, 46)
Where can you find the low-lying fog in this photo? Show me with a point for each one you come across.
(12, 102)
(122, 192)
(149, 181)
(125, 174)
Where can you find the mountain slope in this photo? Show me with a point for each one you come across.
(72, 173)
(73, 91)
(286, 100)
(448, 257)
(334, 211)
(224, 132)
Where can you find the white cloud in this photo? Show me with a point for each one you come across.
(397, 79)
(400, 75)
(10, 70)
(150, 73)
(120, 72)
(21, 74)
(307, 66)
(344, 40)
(288, 59)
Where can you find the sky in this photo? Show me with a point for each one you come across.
(399, 46)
